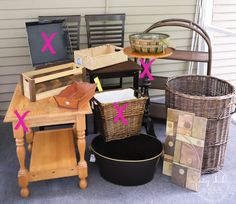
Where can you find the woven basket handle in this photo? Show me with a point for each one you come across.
(234, 107)
(231, 106)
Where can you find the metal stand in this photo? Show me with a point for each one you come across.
(147, 120)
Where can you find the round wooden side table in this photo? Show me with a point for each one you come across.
(147, 121)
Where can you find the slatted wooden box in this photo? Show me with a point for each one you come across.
(43, 83)
(99, 57)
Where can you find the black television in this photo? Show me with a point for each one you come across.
(48, 42)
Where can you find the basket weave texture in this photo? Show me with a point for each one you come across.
(153, 45)
(105, 114)
(207, 97)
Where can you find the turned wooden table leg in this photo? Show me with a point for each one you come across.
(81, 142)
(23, 180)
(29, 139)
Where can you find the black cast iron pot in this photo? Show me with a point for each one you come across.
(127, 162)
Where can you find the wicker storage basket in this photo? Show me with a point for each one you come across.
(207, 97)
(105, 114)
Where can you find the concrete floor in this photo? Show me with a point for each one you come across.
(215, 188)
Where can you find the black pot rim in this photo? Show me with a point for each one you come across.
(129, 161)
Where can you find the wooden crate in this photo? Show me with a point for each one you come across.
(43, 83)
(99, 57)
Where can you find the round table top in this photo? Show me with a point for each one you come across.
(128, 51)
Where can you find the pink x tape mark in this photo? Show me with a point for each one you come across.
(21, 121)
(47, 42)
(146, 69)
(120, 114)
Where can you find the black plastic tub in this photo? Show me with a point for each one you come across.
(128, 162)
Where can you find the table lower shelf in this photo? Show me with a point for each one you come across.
(53, 155)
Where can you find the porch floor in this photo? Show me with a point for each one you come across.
(215, 188)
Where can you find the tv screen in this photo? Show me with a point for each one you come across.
(48, 42)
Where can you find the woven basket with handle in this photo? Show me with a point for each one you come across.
(154, 43)
(207, 97)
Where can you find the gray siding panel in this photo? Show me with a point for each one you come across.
(224, 46)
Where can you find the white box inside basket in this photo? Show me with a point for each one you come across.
(115, 96)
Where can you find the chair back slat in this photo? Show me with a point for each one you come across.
(72, 25)
(105, 29)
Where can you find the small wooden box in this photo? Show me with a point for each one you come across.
(76, 95)
(99, 57)
(43, 83)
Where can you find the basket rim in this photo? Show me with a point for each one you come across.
(140, 33)
(125, 101)
(130, 161)
(231, 95)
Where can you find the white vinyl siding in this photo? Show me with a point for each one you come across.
(14, 52)
(224, 46)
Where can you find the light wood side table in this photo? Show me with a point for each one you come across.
(52, 151)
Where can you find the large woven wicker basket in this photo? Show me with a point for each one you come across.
(105, 114)
(207, 97)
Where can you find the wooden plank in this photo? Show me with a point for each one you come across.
(47, 121)
(57, 75)
(52, 92)
(48, 69)
(53, 155)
